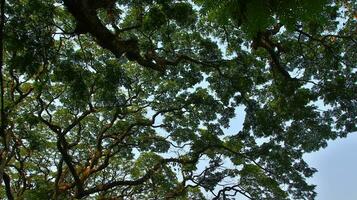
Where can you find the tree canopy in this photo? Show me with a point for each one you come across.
(133, 99)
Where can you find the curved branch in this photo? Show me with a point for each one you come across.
(6, 178)
(88, 22)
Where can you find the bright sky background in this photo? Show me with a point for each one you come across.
(336, 178)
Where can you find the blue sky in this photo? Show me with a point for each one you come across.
(336, 178)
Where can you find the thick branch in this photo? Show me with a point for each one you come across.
(138, 181)
(62, 146)
(264, 40)
(2, 111)
(88, 22)
(6, 178)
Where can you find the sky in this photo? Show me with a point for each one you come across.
(336, 178)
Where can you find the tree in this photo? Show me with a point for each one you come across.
(132, 99)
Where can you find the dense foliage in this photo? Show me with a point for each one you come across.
(134, 99)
